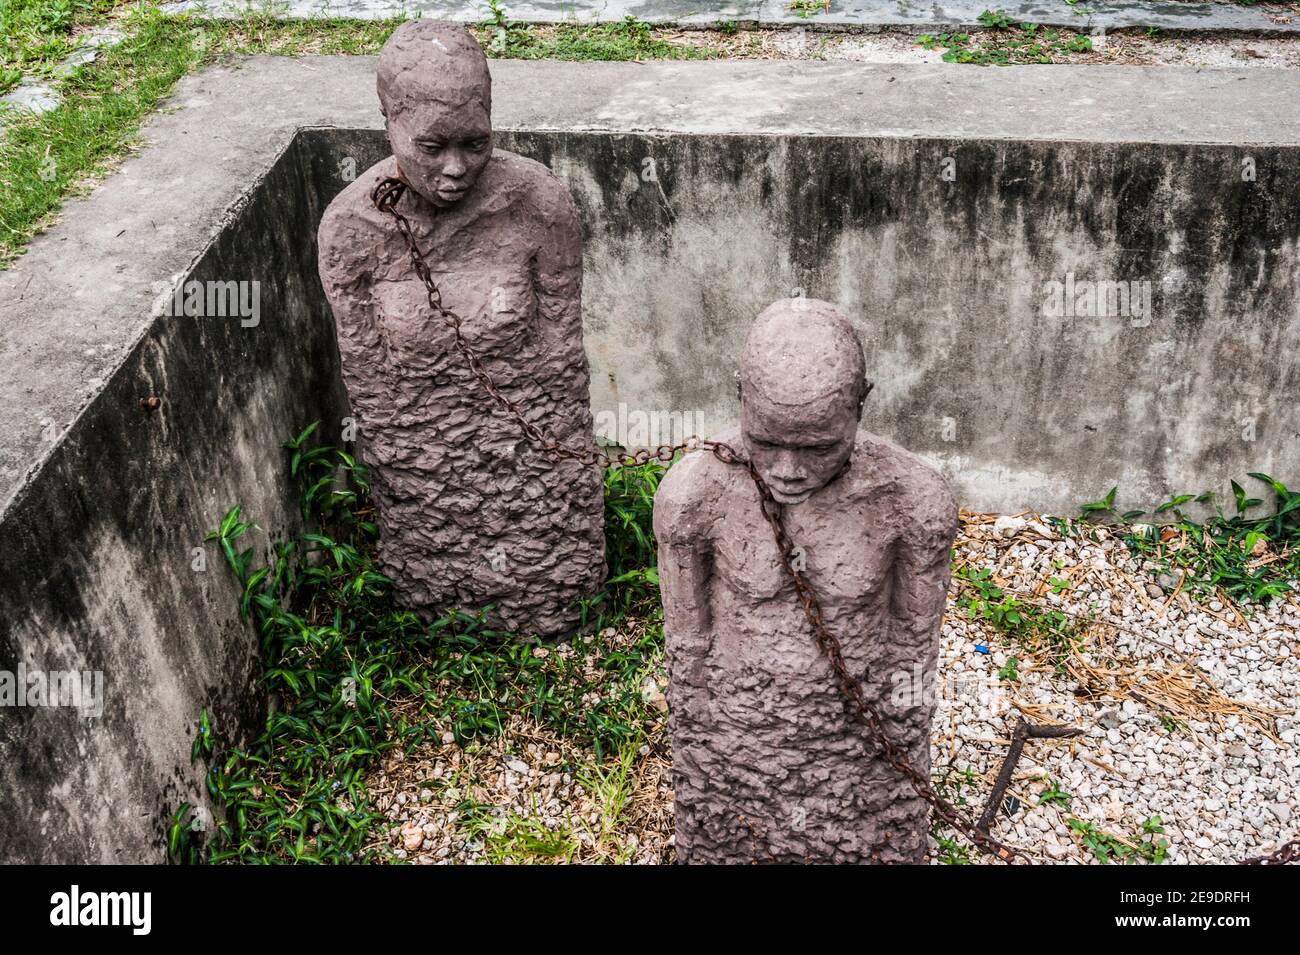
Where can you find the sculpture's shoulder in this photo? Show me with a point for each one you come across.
(689, 497)
(529, 186)
(917, 490)
(351, 223)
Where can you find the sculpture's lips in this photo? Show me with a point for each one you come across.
(789, 493)
(452, 192)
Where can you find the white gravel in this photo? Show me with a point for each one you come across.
(1224, 783)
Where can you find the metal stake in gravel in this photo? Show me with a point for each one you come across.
(1024, 731)
(385, 196)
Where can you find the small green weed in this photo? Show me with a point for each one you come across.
(1005, 43)
(1252, 557)
(1033, 628)
(1144, 846)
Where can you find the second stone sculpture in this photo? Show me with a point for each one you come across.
(768, 762)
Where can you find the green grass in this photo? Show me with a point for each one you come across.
(45, 158)
(1005, 43)
(632, 39)
(509, 837)
(36, 34)
(262, 35)
(512, 838)
(355, 676)
(50, 157)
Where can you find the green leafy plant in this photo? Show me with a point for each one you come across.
(951, 785)
(1097, 511)
(1008, 670)
(498, 27)
(1005, 43)
(1251, 558)
(1105, 505)
(1035, 629)
(629, 541)
(995, 19)
(1144, 846)
(807, 9)
(1054, 795)
(352, 675)
(1178, 500)
(183, 845)
(201, 748)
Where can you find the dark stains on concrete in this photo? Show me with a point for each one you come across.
(102, 541)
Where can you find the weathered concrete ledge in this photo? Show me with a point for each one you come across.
(864, 16)
(762, 178)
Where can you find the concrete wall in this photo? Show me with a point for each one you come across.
(98, 563)
(946, 279)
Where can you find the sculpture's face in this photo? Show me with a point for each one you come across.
(441, 151)
(798, 450)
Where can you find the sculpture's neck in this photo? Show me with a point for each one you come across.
(844, 469)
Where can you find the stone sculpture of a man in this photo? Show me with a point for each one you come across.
(768, 762)
(470, 513)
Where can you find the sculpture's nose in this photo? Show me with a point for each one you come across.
(455, 166)
(787, 466)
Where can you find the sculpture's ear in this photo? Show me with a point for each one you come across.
(862, 401)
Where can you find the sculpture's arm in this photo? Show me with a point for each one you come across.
(922, 568)
(559, 260)
(557, 285)
(685, 565)
(346, 255)
(920, 592)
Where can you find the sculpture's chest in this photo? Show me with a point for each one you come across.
(846, 554)
(495, 301)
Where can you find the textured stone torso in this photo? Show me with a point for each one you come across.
(470, 512)
(768, 763)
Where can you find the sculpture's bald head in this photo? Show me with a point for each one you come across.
(436, 94)
(802, 386)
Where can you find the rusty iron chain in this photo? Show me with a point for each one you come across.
(1287, 853)
(385, 196)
